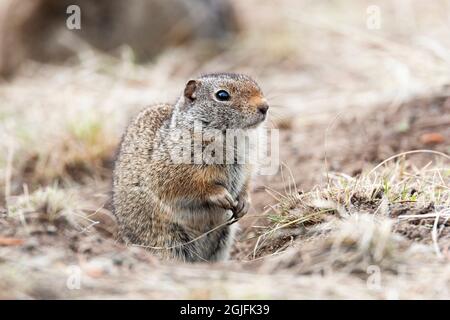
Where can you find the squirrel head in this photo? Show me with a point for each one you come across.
(223, 101)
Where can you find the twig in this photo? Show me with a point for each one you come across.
(189, 242)
(434, 234)
(406, 153)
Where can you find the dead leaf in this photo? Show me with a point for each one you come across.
(432, 138)
(94, 272)
(11, 241)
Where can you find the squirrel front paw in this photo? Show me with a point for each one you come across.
(242, 207)
(223, 199)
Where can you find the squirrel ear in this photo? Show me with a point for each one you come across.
(189, 91)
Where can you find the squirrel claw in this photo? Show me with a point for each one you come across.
(242, 207)
(223, 200)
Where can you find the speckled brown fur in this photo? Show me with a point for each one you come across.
(168, 206)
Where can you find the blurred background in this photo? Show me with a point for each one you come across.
(350, 83)
(71, 91)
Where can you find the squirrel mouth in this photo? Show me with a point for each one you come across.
(254, 124)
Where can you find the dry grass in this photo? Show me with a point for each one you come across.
(395, 191)
(51, 205)
(353, 228)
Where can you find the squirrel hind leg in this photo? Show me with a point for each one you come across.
(210, 248)
(223, 243)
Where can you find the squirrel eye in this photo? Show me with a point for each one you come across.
(222, 95)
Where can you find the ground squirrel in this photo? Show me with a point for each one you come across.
(179, 209)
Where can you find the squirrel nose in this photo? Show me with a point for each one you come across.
(263, 108)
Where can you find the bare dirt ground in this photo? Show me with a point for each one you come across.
(42, 251)
(359, 208)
